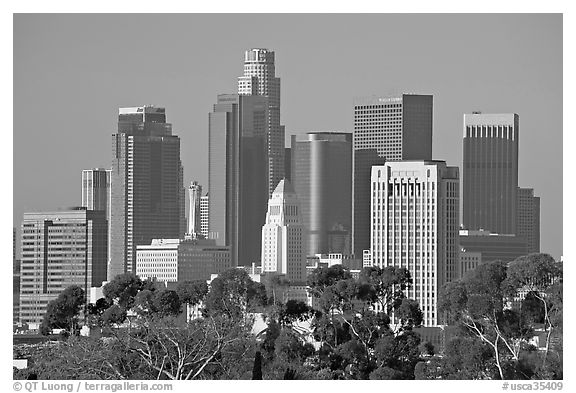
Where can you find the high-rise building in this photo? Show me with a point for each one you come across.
(528, 218)
(385, 129)
(490, 172)
(194, 220)
(60, 249)
(283, 235)
(237, 174)
(288, 164)
(322, 177)
(96, 189)
(415, 223)
(493, 246)
(260, 79)
(204, 215)
(97, 194)
(147, 189)
(15, 281)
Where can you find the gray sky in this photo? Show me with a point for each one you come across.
(72, 72)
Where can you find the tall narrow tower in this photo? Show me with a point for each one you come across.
(260, 79)
(283, 235)
(194, 196)
(490, 172)
(97, 195)
(147, 187)
(385, 129)
(236, 172)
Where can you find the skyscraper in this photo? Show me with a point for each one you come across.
(194, 196)
(528, 218)
(237, 174)
(415, 223)
(490, 172)
(385, 129)
(283, 235)
(97, 195)
(60, 249)
(322, 177)
(260, 79)
(147, 188)
(204, 215)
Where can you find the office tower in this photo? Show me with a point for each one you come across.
(283, 235)
(60, 249)
(15, 281)
(260, 79)
(97, 194)
(96, 189)
(204, 215)
(194, 220)
(288, 164)
(322, 177)
(147, 188)
(237, 174)
(385, 129)
(528, 218)
(158, 260)
(490, 173)
(493, 246)
(199, 259)
(415, 221)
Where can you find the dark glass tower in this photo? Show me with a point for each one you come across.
(385, 129)
(237, 182)
(490, 176)
(322, 177)
(147, 185)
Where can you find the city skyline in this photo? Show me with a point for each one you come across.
(518, 84)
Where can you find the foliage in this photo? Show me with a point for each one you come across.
(192, 292)
(233, 293)
(62, 312)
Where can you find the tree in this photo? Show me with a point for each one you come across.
(62, 312)
(537, 274)
(233, 293)
(124, 288)
(192, 292)
(324, 277)
(257, 370)
(387, 285)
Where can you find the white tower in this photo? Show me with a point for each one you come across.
(415, 224)
(283, 249)
(194, 193)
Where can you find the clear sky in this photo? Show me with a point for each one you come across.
(72, 72)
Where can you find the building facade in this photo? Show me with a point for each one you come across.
(528, 218)
(415, 221)
(204, 216)
(493, 246)
(385, 129)
(97, 194)
(158, 261)
(60, 249)
(322, 178)
(199, 259)
(490, 172)
(283, 235)
(147, 185)
(237, 174)
(260, 79)
(469, 260)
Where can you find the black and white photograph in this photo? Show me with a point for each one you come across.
(287, 196)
